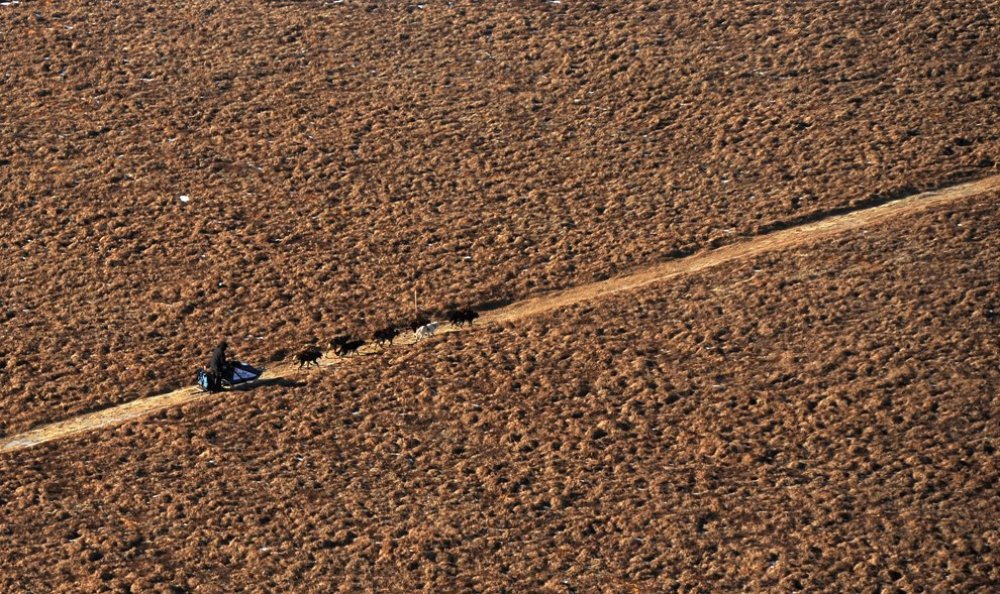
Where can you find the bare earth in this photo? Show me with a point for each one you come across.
(740, 262)
(338, 157)
(806, 233)
(819, 419)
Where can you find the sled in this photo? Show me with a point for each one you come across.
(237, 373)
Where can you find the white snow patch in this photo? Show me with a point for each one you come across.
(185, 199)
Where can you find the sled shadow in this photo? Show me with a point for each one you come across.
(274, 381)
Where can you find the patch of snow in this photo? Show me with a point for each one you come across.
(185, 199)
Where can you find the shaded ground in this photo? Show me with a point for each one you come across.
(337, 157)
(822, 419)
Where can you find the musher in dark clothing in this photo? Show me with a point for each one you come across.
(218, 366)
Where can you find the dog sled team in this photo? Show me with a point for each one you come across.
(223, 373)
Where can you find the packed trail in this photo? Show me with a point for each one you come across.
(789, 237)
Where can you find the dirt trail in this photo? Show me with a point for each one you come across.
(765, 243)
(805, 233)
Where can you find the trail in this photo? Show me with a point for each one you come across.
(777, 240)
(774, 241)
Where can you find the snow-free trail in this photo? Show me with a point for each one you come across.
(786, 238)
